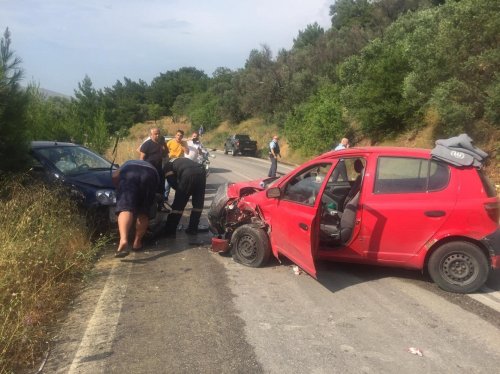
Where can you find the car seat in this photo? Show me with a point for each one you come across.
(342, 230)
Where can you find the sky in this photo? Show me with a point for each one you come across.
(62, 41)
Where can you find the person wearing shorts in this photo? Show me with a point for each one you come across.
(136, 184)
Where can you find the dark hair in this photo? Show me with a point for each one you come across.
(181, 131)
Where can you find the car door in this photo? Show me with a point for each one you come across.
(409, 201)
(293, 227)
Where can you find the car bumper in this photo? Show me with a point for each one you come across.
(492, 243)
(216, 212)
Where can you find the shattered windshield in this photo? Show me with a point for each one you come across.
(73, 160)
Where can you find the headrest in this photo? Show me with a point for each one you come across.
(358, 166)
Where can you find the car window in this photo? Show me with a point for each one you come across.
(73, 160)
(345, 171)
(304, 187)
(402, 174)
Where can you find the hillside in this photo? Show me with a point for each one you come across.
(258, 130)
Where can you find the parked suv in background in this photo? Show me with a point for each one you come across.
(388, 206)
(86, 174)
(240, 143)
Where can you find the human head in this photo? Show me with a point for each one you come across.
(195, 137)
(275, 138)
(179, 135)
(155, 134)
(345, 142)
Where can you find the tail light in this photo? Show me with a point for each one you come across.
(493, 210)
(238, 143)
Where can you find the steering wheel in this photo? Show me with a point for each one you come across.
(84, 167)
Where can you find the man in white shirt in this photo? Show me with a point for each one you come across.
(196, 149)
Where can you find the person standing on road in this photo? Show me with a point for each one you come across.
(136, 184)
(176, 147)
(340, 169)
(274, 152)
(188, 179)
(196, 150)
(152, 151)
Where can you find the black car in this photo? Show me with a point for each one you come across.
(86, 174)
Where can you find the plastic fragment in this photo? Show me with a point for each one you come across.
(415, 351)
(297, 270)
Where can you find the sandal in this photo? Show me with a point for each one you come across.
(122, 253)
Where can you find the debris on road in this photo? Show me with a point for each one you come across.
(415, 351)
(296, 270)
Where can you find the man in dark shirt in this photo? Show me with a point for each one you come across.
(188, 178)
(152, 151)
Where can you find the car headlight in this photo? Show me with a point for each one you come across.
(106, 197)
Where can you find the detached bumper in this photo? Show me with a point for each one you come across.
(492, 243)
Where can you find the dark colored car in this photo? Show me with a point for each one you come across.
(388, 206)
(240, 143)
(86, 175)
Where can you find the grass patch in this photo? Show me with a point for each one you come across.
(45, 253)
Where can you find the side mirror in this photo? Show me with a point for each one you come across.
(273, 192)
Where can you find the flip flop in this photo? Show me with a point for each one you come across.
(122, 253)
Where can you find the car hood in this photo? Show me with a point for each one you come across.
(95, 178)
(241, 189)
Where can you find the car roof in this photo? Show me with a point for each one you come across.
(390, 151)
(51, 143)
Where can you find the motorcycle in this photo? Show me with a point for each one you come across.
(205, 161)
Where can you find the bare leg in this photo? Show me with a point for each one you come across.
(125, 220)
(141, 225)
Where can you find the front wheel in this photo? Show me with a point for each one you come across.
(225, 150)
(250, 246)
(459, 267)
(235, 152)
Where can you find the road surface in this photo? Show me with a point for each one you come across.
(178, 308)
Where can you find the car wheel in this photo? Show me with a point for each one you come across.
(234, 151)
(250, 246)
(459, 267)
(225, 151)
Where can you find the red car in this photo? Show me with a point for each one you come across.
(386, 206)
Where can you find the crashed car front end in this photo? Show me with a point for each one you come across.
(231, 208)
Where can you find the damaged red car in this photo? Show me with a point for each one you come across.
(402, 207)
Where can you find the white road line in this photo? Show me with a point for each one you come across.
(488, 297)
(98, 339)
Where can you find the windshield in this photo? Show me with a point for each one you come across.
(72, 160)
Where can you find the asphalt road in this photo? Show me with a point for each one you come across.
(178, 308)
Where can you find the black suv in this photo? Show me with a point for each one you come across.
(86, 174)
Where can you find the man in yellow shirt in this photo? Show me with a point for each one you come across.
(176, 147)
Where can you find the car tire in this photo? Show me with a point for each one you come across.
(250, 246)
(225, 150)
(235, 152)
(459, 267)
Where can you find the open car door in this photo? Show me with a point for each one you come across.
(293, 230)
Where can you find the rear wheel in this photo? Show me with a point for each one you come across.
(459, 267)
(250, 246)
(225, 150)
(234, 152)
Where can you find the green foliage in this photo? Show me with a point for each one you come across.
(492, 104)
(13, 125)
(322, 117)
(309, 36)
(372, 89)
